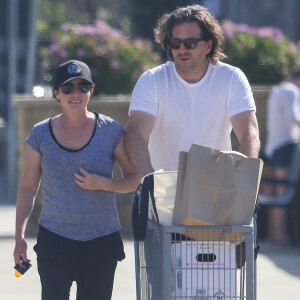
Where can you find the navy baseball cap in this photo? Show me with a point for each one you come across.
(70, 70)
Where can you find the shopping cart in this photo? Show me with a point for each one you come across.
(196, 263)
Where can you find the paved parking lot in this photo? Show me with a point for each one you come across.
(278, 267)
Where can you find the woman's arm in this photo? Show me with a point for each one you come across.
(26, 196)
(127, 183)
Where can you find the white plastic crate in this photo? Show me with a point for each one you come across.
(203, 270)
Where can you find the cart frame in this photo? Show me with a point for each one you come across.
(164, 237)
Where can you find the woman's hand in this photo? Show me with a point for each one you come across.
(129, 181)
(90, 181)
(20, 251)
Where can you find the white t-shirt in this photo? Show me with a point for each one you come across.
(186, 113)
(283, 116)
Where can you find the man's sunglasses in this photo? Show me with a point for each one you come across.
(190, 43)
(82, 87)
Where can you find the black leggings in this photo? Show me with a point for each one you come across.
(91, 264)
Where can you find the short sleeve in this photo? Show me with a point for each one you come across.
(34, 139)
(241, 96)
(291, 105)
(119, 130)
(144, 95)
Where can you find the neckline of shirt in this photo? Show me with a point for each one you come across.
(196, 84)
(73, 150)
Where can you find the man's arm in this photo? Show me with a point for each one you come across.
(129, 181)
(246, 129)
(137, 134)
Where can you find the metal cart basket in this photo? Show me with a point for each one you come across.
(196, 263)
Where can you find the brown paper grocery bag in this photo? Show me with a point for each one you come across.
(215, 187)
(164, 195)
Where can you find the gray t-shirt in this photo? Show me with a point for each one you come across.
(69, 210)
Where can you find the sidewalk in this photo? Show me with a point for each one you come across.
(278, 270)
(28, 287)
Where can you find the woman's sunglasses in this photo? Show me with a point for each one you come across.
(82, 87)
(190, 43)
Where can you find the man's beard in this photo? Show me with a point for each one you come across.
(184, 68)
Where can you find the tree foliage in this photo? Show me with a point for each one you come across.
(263, 53)
(115, 60)
(54, 13)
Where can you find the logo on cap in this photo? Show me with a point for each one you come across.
(74, 69)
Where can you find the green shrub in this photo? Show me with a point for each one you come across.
(264, 54)
(115, 61)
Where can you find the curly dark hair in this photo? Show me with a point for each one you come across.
(209, 25)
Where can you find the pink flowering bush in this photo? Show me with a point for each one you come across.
(264, 54)
(115, 61)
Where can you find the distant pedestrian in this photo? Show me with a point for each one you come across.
(283, 134)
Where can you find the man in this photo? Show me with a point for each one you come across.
(283, 122)
(193, 98)
(283, 134)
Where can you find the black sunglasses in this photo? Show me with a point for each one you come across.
(190, 43)
(82, 87)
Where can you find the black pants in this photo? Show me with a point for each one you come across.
(90, 264)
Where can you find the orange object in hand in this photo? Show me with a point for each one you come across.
(21, 270)
(17, 273)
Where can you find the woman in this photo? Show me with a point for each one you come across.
(78, 236)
